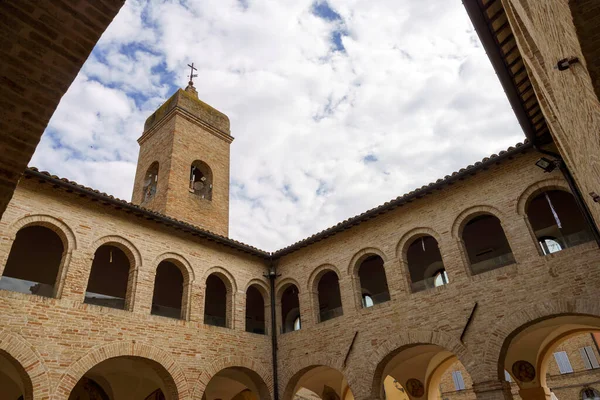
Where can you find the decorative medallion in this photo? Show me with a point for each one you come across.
(415, 387)
(523, 371)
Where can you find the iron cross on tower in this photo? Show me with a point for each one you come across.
(192, 75)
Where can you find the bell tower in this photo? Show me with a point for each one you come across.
(183, 165)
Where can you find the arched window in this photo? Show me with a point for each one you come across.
(201, 180)
(168, 291)
(33, 272)
(556, 221)
(150, 182)
(486, 244)
(330, 300)
(373, 283)
(107, 284)
(290, 309)
(425, 265)
(215, 302)
(255, 310)
(589, 393)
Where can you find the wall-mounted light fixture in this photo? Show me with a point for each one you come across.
(566, 63)
(546, 164)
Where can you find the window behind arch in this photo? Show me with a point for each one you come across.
(215, 302)
(33, 272)
(290, 309)
(150, 182)
(425, 265)
(168, 291)
(556, 221)
(373, 282)
(107, 284)
(330, 300)
(201, 180)
(255, 311)
(486, 244)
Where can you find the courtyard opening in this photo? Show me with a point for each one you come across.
(236, 383)
(329, 297)
(107, 284)
(373, 282)
(168, 291)
(290, 309)
(318, 382)
(486, 244)
(34, 272)
(557, 222)
(425, 264)
(255, 310)
(125, 378)
(554, 357)
(14, 381)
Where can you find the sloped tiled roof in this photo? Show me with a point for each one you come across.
(141, 212)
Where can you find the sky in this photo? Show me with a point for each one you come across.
(336, 106)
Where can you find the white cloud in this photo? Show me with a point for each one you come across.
(321, 135)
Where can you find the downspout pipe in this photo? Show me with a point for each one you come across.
(583, 208)
(272, 276)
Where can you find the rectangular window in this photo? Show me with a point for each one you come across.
(564, 365)
(589, 358)
(459, 383)
(507, 377)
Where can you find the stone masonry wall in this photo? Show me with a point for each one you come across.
(534, 287)
(66, 334)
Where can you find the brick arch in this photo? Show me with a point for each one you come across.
(264, 288)
(505, 329)
(378, 358)
(172, 375)
(415, 233)
(130, 250)
(291, 374)
(225, 275)
(260, 367)
(33, 370)
(135, 262)
(281, 286)
(313, 279)
(471, 212)
(182, 263)
(58, 226)
(537, 188)
(64, 232)
(361, 255)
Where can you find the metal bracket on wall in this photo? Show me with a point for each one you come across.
(462, 335)
(595, 197)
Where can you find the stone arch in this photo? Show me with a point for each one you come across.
(281, 286)
(261, 368)
(536, 188)
(407, 239)
(132, 252)
(506, 328)
(292, 372)
(389, 348)
(361, 255)
(471, 212)
(188, 278)
(313, 279)
(64, 232)
(61, 228)
(34, 370)
(230, 286)
(135, 262)
(173, 376)
(182, 263)
(227, 277)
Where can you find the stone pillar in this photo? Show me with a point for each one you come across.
(71, 282)
(307, 316)
(492, 390)
(239, 311)
(538, 393)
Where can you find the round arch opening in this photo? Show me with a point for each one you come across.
(236, 383)
(318, 382)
